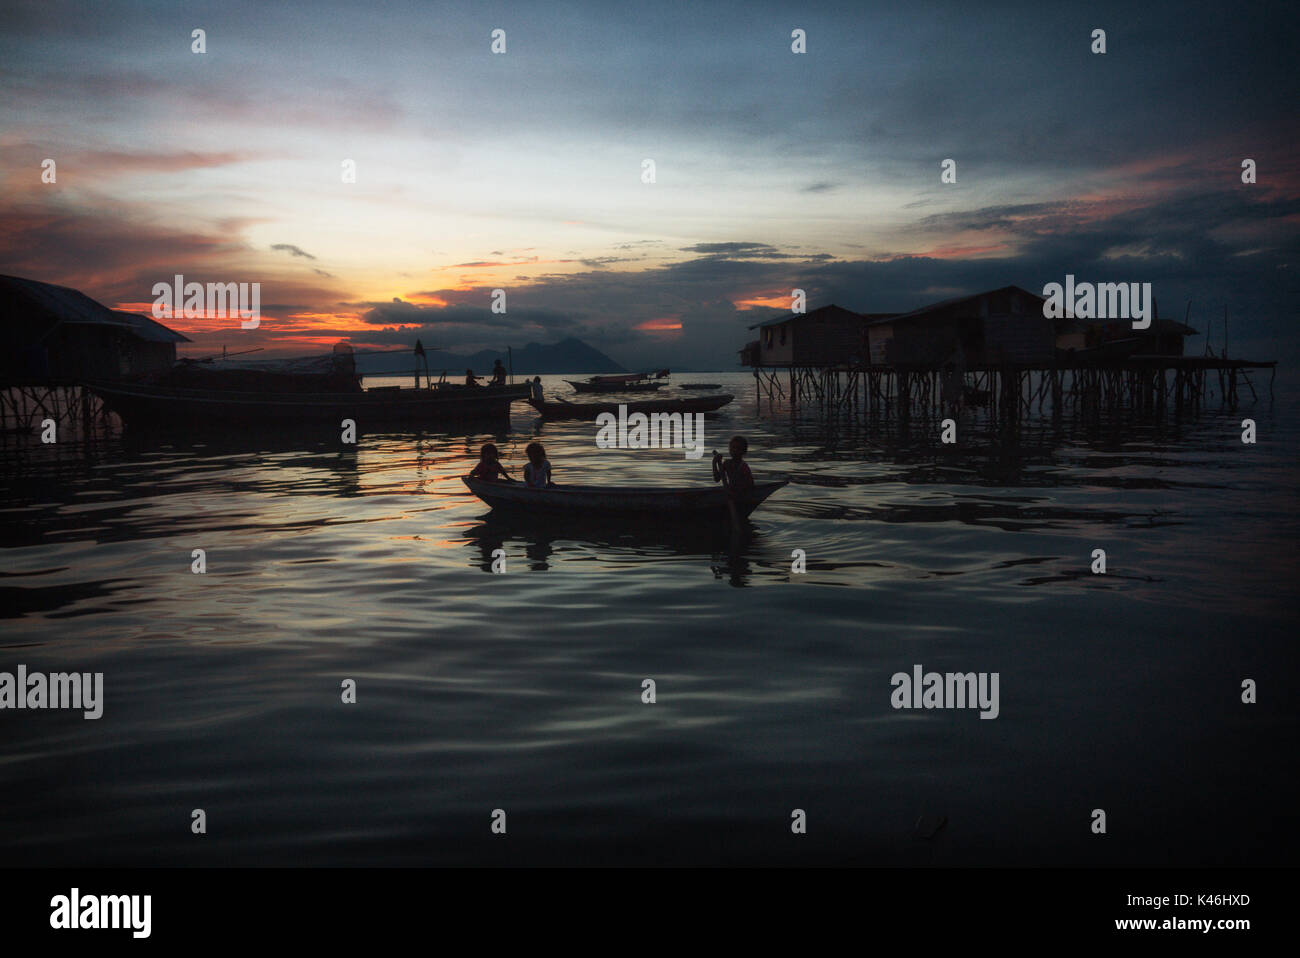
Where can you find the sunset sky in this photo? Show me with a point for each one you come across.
(523, 171)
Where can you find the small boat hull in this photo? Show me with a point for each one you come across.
(694, 501)
(592, 410)
(700, 386)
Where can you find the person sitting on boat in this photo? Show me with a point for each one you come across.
(535, 387)
(470, 378)
(734, 473)
(498, 374)
(537, 471)
(489, 465)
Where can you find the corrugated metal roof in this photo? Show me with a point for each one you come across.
(151, 330)
(791, 317)
(63, 304)
(944, 304)
(57, 305)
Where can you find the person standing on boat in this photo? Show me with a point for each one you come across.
(535, 387)
(498, 374)
(537, 471)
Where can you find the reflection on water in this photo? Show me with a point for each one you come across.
(372, 561)
(548, 540)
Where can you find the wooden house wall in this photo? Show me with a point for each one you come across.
(773, 351)
(924, 343)
(78, 351)
(879, 343)
(137, 357)
(1023, 339)
(826, 340)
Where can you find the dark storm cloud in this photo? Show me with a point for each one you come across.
(738, 250)
(1137, 150)
(600, 262)
(126, 257)
(401, 313)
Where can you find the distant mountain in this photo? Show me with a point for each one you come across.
(567, 356)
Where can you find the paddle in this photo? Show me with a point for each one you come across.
(720, 473)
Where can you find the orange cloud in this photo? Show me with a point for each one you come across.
(778, 300)
(664, 325)
(958, 252)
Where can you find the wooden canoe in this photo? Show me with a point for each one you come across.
(617, 500)
(700, 386)
(560, 409)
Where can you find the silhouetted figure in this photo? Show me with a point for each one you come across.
(735, 476)
(489, 465)
(537, 473)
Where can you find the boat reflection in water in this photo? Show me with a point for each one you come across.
(668, 504)
(626, 542)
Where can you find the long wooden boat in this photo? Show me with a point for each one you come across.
(561, 409)
(700, 386)
(146, 404)
(617, 500)
(621, 386)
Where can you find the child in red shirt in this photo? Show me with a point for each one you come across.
(489, 466)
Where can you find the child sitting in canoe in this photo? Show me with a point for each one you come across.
(489, 465)
(734, 473)
(537, 472)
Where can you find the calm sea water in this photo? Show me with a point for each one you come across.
(523, 691)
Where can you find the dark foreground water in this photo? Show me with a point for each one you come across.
(522, 691)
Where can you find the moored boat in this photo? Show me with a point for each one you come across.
(623, 386)
(561, 409)
(700, 386)
(289, 392)
(145, 404)
(617, 500)
(620, 382)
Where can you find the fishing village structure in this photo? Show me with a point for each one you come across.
(67, 359)
(53, 338)
(994, 349)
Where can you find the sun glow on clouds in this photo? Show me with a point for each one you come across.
(664, 325)
(962, 252)
(779, 300)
